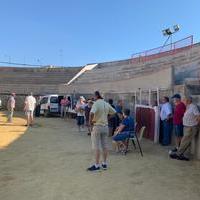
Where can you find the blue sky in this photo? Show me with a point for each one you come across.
(77, 32)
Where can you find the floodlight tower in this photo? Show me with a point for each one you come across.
(169, 32)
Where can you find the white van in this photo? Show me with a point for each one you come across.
(50, 104)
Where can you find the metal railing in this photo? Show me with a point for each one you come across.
(166, 50)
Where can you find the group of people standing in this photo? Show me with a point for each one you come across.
(184, 120)
(83, 108)
(104, 119)
(29, 107)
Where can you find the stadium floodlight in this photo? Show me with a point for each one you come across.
(164, 32)
(169, 31)
(176, 28)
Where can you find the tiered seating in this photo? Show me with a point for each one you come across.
(37, 80)
(36, 76)
(27, 88)
(123, 70)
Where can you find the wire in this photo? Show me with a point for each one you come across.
(22, 64)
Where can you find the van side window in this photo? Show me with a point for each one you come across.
(44, 100)
(54, 100)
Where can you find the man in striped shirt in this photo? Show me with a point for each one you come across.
(191, 121)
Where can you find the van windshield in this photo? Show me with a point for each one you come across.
(54, 100)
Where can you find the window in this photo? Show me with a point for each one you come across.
(44, 100)
(54, 100)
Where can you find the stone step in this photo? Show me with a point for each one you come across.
(27, 88)
(192, 81)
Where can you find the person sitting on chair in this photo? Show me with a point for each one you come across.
(123, 132)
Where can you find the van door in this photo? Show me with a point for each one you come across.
(59, 100)
(43, 104)
(54, 105)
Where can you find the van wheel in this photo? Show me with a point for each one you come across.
(46, 113)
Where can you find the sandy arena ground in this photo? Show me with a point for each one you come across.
(49, 161)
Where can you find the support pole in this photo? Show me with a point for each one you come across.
(140, 95)
(149, 97)
(158, 97)
(135, 99)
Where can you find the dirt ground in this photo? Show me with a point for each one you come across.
(10, 133)
(49, 161)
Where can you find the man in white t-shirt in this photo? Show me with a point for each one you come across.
(29, 107)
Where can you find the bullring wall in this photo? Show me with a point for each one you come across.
(40, 81)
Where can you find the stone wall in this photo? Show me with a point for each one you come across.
(40, 81)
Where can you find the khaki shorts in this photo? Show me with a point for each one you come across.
(99, 137)
(29, 113)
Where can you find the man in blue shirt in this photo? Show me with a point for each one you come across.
(123, 131)
(166, 119)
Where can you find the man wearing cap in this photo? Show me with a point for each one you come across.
(99, 119)
(191, 121)
(11, 107)
(178, 119)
